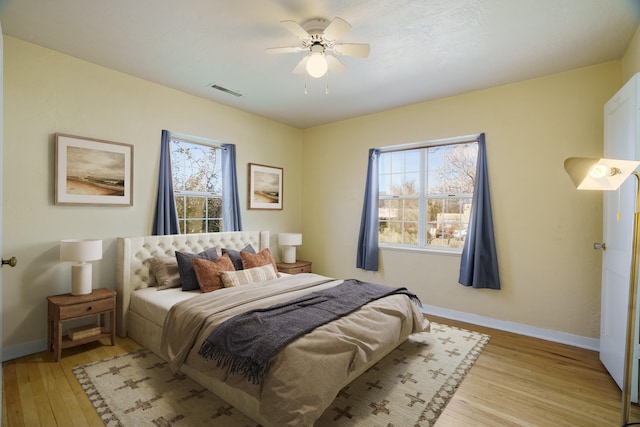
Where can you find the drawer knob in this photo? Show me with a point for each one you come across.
(89, 308)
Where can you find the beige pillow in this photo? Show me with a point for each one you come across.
(166, 271)
(208, 272)
(263, 257)
(248, 275)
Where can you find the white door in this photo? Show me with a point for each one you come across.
(1, 132)
(620, 142)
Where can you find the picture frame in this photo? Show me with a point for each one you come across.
(265, 187)
(93, 172)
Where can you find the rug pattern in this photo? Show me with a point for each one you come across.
(409, 387)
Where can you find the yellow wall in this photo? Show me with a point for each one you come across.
(631, 59)
(46, 92)
(544, 228)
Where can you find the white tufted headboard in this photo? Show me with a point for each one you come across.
(132, 268)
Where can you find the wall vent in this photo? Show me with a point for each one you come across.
(226, 90)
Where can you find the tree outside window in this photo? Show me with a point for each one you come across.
(197, 185)
(425, 195)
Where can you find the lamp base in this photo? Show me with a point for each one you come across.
(81, 279)
(289, 254)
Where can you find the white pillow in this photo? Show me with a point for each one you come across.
(249, 275)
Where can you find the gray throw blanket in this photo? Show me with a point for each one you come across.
(247, 342)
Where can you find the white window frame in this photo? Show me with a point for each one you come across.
(422, 196)
(182, 195)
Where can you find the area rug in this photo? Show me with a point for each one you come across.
(409, 387)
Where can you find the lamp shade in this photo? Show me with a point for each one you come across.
(599, 174)
(289, 239)
(80, 250)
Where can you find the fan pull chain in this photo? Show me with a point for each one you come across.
(326, 88)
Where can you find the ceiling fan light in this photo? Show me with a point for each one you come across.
(317, 65)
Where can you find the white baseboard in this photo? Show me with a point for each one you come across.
(20, 350)
(517, 328)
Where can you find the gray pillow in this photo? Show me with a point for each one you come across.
(236, 259)
(185, 267)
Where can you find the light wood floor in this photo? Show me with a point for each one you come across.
(516, 381)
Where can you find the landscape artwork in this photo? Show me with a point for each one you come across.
(265, 187)
(95, 172)
(90, 171)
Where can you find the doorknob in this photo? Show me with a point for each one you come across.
(11, 262)
(602, 246)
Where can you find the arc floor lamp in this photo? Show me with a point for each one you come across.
(609, 174)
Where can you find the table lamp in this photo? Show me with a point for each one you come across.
(289, 241)
(79, 252)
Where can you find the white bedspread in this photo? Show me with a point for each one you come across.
(154, 304)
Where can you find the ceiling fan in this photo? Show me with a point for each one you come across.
(318, 36)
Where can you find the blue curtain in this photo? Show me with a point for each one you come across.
(367, 256)
(479, 264)
(165, 220)
(230, 200)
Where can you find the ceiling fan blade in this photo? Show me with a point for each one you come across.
(337, 28)
(302, 66)
(296, 29)
(360, 50)
(288, 49)
(335, 65)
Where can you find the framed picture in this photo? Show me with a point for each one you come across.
(93, 172)
(265, 187)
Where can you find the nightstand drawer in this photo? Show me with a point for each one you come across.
(294, 267)
(297, 270)
(86, 309)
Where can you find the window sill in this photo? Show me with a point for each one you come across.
(421, 250)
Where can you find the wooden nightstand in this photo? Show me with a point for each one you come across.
(69, 307)
(295, 267)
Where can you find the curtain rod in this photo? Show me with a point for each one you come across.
(425, 144)
(194, 140)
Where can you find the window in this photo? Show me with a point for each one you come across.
(425, 195)
(197, 185)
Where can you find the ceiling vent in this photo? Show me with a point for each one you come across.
(225, 90)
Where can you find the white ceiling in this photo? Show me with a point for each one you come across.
(420, 49)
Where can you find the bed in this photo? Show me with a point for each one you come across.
(303, 378)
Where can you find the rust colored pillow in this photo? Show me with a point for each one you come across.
(258, 260)
(208, 272)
